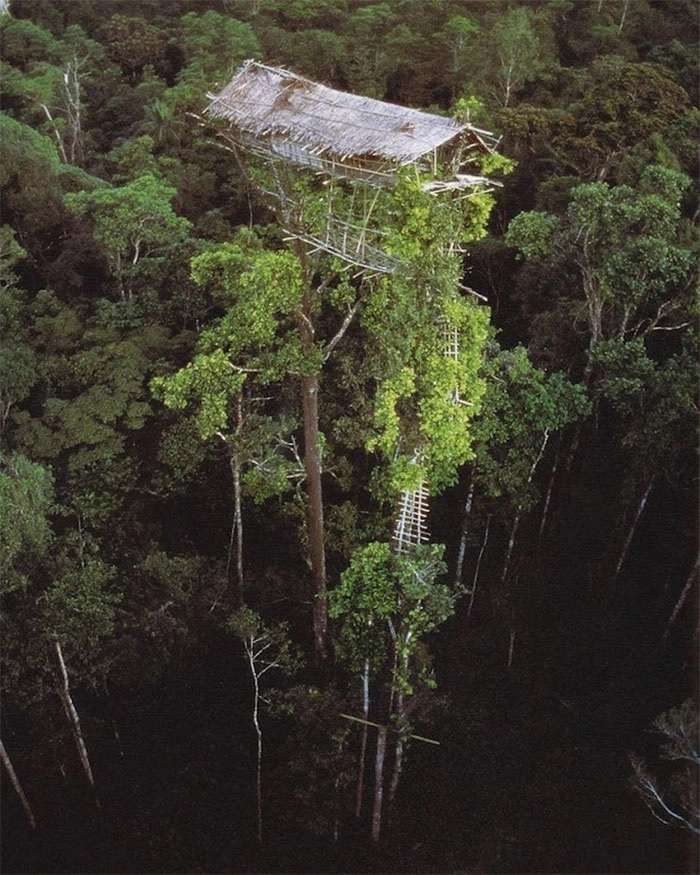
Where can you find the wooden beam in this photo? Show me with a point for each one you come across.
(391, 729)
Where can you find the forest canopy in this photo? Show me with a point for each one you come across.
(315, 564)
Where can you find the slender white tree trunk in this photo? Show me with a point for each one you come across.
(518, 512)
(625, 7)
(633, 527)
(550, 489)
(681, 600)
(258, 732)
(16, 784)
(396, 774)
(511, 647)
(59, 141)
(236, 537)
(463, 538)
(74, 719)
(475, 580)
(378, 784)
(118, 738)
(363, 742)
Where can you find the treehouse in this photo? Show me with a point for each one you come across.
(282, 116)
(358, 145)
(290, 121)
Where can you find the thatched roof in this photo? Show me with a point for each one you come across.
(264, 101)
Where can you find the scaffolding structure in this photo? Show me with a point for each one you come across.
(356, 244)
(411, 527)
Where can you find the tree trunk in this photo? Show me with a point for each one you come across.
(511, 544)
(398, 754)
(378, 784)
(317, 554)
(258, 732)
(463, 538)
(518, 512)
(312, 457)
(74, 719)
(59, 140)
(633, 527)
(475, 580)
(550, 489)
(681, 600)
(363, 743)
(118, 738)
(625, 7)
(237, 523)
(511, 647)
(236, 537)
(396, 774)
(16, 784)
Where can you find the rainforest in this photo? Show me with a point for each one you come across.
(348, 436)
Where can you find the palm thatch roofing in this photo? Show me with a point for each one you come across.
(272, 104)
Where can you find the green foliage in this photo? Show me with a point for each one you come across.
(281, 654)
(146, 267)
(79, 605)
(132, 222)
(624, 243)
(211, 382)
(22, 41)
(656, 404)
(216, 44)
(520, 405)
(415, 410)
(532, 233)
(262, 290)
(26, 500)
(133, 43)
(384, 596)
(27, 156)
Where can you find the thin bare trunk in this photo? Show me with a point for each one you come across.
(511, 647)
(72, 715)
(681, 600)
(378, 784)
(396, 774)
(117, 738)
(59, 141)
(363, 743)
(475, 580)
(258, 732)
(625, 7)
(71, 92)
(16, 784)
(550, 489)
(336, 799)
(237, 522)
(511, 543)
(463, 538)
(312, 465)
(237, 499)
(575, 440)
(633, 527)
(518, 512)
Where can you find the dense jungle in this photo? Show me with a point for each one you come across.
(214, 657)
